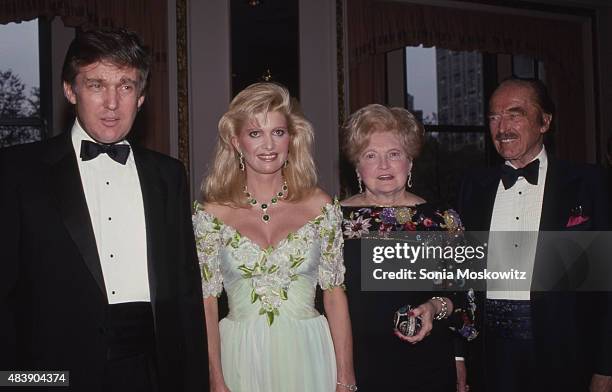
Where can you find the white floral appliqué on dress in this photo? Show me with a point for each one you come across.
(273, 339)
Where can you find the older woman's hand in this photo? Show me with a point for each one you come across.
(426, 313)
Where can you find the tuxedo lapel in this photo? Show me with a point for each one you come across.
(484, 199)
(153, 199)
(560, 195)
(549, 219)
(68, 190)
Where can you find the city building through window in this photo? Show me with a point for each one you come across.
(444, 90)
(448, 92)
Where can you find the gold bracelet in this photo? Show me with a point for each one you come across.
(350, 387)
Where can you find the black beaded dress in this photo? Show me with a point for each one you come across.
(382, 360)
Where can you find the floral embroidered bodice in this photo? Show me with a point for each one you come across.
(277, 281)
(374, 220)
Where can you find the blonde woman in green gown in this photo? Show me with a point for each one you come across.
(267, 235)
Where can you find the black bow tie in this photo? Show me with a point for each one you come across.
(117, 152)
(509, 175)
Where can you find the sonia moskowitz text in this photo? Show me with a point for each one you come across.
(425, 274)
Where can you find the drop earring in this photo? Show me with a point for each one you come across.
(241, 161)
(359, 182)
(409, 182)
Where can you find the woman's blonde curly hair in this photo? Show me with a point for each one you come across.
(225, 181)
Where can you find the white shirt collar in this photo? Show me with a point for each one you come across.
(542, 156)
(78, 135)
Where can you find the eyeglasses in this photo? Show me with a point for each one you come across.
(372, 157)
(510, 116)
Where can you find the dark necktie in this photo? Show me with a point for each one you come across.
(117, 152)
(509, 175)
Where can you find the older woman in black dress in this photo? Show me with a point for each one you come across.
(381, 143)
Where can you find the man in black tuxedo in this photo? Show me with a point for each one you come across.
(536, 340)
(99, 272)
(609, 165)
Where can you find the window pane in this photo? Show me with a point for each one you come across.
(421, 93)
(444, 159)
(444, 87)
(541, 72)
(523, 66)
(13, 135)
(19, 82)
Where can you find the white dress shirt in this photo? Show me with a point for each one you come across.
(114, 201)
(513, 234)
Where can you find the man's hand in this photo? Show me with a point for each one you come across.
(601, 383)
(461, 377)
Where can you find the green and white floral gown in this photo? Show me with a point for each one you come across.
(273, 339)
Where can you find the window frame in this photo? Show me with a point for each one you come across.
(489, 83)
(45, 86)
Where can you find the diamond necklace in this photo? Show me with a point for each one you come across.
(264, 206)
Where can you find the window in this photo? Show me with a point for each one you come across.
(446, 90)
(528, 67)
(21, 114)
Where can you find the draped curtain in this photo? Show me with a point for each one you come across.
(376, 27)
(148, 18)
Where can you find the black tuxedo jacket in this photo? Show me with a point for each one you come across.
(571, 330)
(53, 303)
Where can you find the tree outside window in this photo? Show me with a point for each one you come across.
(20, 103)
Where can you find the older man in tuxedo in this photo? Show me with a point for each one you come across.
(99, 273)
(536, 340)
